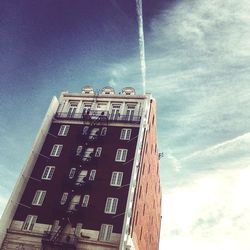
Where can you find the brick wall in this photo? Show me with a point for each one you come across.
(145, 226)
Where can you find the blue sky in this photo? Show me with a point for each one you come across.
(197, 58)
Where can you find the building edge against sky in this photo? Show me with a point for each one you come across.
(89, 142)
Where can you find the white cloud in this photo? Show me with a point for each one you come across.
(211, 212)
(198, 69)
(235, 149)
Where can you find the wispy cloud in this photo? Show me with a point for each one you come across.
(229, 150)
(198, 68)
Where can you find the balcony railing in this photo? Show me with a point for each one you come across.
(65, 241)
(98, 116)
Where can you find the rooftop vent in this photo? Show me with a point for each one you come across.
(128, 91)
(108, 91)
(88, 90)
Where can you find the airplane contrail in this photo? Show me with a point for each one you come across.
(141, 42)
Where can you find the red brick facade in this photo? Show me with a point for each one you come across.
(145, 226)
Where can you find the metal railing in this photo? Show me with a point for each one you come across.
(98, 116)
(67, 241)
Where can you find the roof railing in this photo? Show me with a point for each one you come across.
(99, 116)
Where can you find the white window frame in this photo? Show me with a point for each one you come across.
(85, 200)
(48, 172)
(78, 229)
(87, 153)
(29, 223)
(39, 198)
(111, 205)
(72, 173)
(103, 131)
(93, 135)
(86, 108)
(64, 198)
(130, 112)
(115, 111)
(98, 152)
(56, 150)
(63, 131)
(105, 232)
(116, 179)
(85, 130)
(121, 155)
(102, 105)
(73, 105)
(55, 225)
(79, 150)
(74, 202)
(92, 175)
(81, 176)
(125, 134)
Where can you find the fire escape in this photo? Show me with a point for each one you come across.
(56, 238)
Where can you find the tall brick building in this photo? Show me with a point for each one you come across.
(92, 178)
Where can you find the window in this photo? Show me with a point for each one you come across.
(141, 233)
(116, 179)
(64, 198)
(88, 154)
(94, 133)
(98, 151)
(111, 205)
(153, 120)
(140, 192)
(78, 150)
(55, 225)
(81, 176)
(85, 130)
(102, 105)
(104, 131)
(130, 112)
(92, 175)
(143, 167)
(78, 229)
(48, 172)
(136, 218)
(125, 134)
(63, 131)
(105, 232)
(56, 150)
(39, 198)
(72, 173)
(73, 205)
(121, 155)
(115, 112)
(29, 222)
(85, 200)
(72, 109)
(86, 108)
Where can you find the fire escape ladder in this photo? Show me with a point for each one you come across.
(60, 230)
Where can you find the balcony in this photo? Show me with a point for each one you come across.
(62, 242)
(97, 116)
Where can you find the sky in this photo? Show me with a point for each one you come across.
(197, 68)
